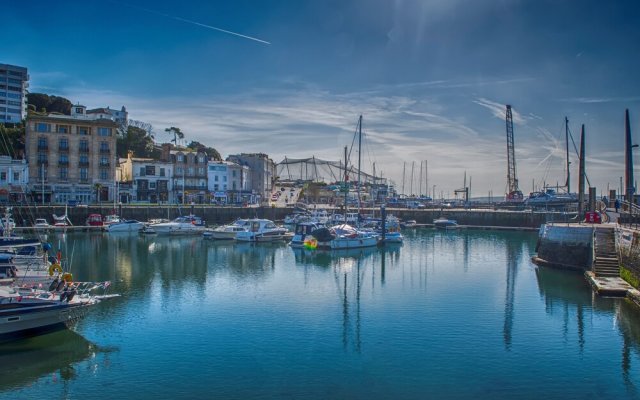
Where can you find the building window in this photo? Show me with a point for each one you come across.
(151, 170)
(63, 145)
(63, 129)
(64, 173)
(152, 185)
(84, 146)
(84, 160)
(200, 171)
(102, 131)
(143, 171)
(42, 127)
(190, 171)
(104, 147)
(104, 161)
(215, 178)
(180, 158)
(42, 158)
(3, 176)
(42, 143)
(78, 110)
(224, 178)
(64, 159)
(84, 130)
(179, 170)
(233, 173)
(104, 174)
(84, 174)
(16, 176)
(162, 172)
(42, 174)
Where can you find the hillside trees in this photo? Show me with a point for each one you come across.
(210, 151)
(44, 103)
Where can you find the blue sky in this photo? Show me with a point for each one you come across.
(430, 78)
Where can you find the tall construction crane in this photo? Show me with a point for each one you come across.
(513, 193)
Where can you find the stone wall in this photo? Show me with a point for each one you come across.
(628, 241)
(568, 246)
(213, 215)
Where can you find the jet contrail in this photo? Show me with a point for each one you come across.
(188, 21)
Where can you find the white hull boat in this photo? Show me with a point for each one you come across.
(263, 230)
(125, 226)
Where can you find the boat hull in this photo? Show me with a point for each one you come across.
(32, 320)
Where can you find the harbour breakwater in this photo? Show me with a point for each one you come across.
(566, 246)
(215, 215)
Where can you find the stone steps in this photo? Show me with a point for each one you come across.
(606, 263)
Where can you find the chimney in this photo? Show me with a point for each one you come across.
(166, 152)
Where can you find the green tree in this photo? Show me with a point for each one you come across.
(46, 103)
(210, 151)
(177, 134)
(137, 140)
(12, 141)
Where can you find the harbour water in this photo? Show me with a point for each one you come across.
(457, 315)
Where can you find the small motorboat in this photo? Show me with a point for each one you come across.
(129, 225)
(445, 223)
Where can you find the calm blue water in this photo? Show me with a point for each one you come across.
(447, 315)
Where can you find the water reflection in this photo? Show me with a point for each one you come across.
(53, 356)
(568, 294)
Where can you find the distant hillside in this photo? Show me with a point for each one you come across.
(44, 102)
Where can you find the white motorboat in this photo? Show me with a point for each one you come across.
(111, 219)
(25, 312)
(41, 223)
(445, 223)
(410, 223)
(226, 232)
(129, 225)
(263, 230)
(342, 237)
(185, 225)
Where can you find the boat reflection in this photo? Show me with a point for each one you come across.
(328, 258)
(52, 356)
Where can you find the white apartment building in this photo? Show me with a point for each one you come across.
(14, 177)
(14, 81)
(120, 117)
(229, 182)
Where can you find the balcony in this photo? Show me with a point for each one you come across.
(105, 150)
(104, 164)
(83, 149)
(43, 162)
(63, 163)
(63, 149)
(83, 163)
(43, 147)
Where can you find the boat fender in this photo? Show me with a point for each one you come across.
(60, 286)
(63, 296)
(67, 277)
(70, 295)
(55, 268)
(54, 284)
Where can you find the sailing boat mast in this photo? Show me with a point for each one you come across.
(566, 138)
(359, 158)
